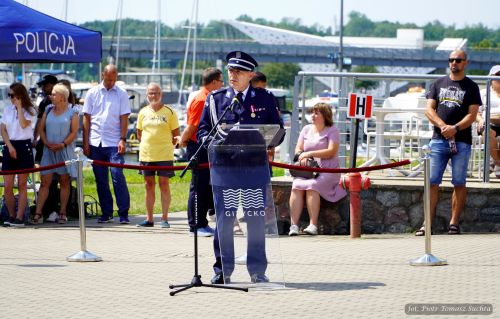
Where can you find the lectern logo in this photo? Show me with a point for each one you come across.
(250, 198)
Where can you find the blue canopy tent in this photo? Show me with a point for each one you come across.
(27, 35)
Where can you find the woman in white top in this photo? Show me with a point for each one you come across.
(494, 106)
(17, 134)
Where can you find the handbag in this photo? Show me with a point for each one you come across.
(305, 174)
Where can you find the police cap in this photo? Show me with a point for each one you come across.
(241, 61)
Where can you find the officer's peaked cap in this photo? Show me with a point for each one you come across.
(241, 61)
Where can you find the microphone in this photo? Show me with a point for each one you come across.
(234, 102)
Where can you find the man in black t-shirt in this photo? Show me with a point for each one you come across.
(452, 105)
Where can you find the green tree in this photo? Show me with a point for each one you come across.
(280, 75)
(366, 84)
(359, 25)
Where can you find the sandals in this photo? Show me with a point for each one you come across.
(62, 219)
(453, 229)
(421, 231)
(38, 219)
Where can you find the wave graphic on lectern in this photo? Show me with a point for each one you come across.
(251, 198)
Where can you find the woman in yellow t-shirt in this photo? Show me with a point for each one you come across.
(156, 125)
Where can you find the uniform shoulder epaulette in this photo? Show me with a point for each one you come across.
(219, 91)
(261, 90)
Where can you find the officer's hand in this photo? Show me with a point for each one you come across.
(207, 140)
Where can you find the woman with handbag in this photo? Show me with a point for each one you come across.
(59, 128)
(318, 141)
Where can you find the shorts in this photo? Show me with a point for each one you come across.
(439, 157)
(166, 173)
(24, 160)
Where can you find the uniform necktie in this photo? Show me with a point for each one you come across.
(239, 107)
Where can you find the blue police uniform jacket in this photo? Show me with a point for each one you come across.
(244, 165)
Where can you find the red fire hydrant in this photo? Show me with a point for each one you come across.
(354, 183)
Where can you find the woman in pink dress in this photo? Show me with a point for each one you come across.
(320, 141)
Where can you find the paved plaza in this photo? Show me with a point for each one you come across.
(326, 276)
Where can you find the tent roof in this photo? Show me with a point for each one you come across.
(27, 35)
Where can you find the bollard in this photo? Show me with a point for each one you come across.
(427, 259)
(354, 183)
(83, 254)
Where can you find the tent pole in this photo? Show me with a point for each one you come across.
(23, 74)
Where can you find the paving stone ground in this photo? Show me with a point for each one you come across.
(326, 276)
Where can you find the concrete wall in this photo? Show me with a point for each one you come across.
(396, 209)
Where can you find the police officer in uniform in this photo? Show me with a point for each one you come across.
(247, 105)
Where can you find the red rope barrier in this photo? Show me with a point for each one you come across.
(205, 165)
(282, 165)
(340, 170)
(32, 170)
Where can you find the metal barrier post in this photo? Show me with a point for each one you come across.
(428, 259)
(83, 254)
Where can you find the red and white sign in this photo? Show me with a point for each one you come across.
(360, 106)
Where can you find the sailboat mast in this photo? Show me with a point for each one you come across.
(156, 46)
(186, 51)
(193, 83)
(159, 35)
(119, 15)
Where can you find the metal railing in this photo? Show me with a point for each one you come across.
(345, 84)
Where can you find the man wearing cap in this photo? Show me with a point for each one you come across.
(494, 105)
(452, 104)
(46, 84)
(246, 105)
(105, 124)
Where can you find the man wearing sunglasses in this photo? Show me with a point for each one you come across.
(452, 105)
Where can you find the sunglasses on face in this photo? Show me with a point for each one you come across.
(10, 95)
(457, 60)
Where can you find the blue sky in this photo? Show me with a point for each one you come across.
(323, 12)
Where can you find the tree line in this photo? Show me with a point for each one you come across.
(281, 74)
(358, 25)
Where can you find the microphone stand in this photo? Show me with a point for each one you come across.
(192, 165)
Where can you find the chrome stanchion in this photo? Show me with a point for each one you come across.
(83, 254)
(428, 259)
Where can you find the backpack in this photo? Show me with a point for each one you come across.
(53, 202)
(4, 213)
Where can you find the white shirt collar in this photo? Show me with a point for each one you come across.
(244, 92)
(101, 87)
